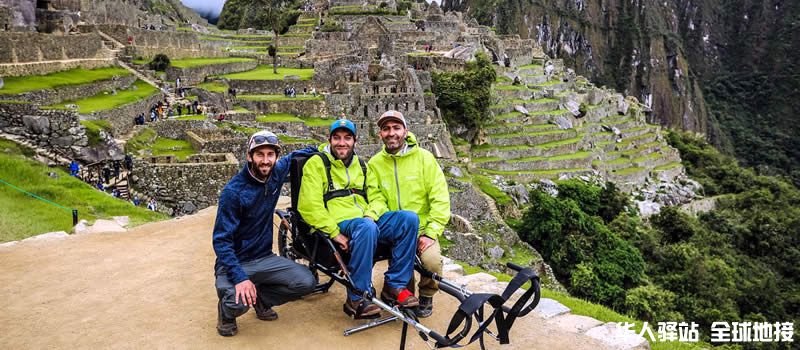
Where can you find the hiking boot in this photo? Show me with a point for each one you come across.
(401, 297)
(361, 309)
(265, 313)
(226, 327)
(425, 308)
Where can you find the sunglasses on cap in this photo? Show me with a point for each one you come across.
(260, 139)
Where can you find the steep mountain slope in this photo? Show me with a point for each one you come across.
(728, 69)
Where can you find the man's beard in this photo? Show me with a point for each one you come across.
(256, 170)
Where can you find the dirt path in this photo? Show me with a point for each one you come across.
(152, 287)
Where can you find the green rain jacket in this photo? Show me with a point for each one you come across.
(409, 180)
(315, 184)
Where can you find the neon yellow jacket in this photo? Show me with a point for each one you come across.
(315, 184)
(410, 180)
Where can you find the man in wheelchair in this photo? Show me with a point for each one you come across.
(333, 200)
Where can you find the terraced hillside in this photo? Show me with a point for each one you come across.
(536, 135)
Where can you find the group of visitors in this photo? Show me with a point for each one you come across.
(399, 198)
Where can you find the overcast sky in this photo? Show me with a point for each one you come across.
(205, 6)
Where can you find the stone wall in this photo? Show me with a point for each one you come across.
(72, 92)
(217, 140)
(197, 75)
(39, 68)
(270, 86)
(121, 118)
(17, 47)
(55, 130)
(190, 185)
(176, 129)
(295, 107)
(147, 43)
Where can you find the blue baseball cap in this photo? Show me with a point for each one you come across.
(343, 123)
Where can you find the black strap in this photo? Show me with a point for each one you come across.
(472, 306)
(332, 193)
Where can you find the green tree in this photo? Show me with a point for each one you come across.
(464, 97)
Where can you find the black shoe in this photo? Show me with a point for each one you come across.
(265, 313)
(425, 308)
(226, 327)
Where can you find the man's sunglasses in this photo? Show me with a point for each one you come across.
(258, 140)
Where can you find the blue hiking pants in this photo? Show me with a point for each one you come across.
(395, 228)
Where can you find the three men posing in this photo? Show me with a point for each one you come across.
(407, 196)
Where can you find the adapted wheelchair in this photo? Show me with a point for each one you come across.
(300, 242)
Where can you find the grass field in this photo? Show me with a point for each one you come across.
(213, 87)
(147, 139)
(78, 76)
(197, 62)
(278, 118)
(265, 73)
(23, 216)
(105, 100)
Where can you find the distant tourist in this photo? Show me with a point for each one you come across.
(100, 186)
(136, 200)
(117, 165)
(106, 173)
(74, 168)
(151, 205)
(313, 91)
(177, 83)
(115, 193)
(128, 162)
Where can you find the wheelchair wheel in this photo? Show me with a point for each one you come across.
(287, 250)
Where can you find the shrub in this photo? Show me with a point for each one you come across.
(159, 63)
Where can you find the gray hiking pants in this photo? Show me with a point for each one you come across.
(278, 280)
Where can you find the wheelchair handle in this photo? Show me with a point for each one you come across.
(514, 266)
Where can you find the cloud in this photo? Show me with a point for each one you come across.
(212, 7)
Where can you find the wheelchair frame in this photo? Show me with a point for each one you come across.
(322, 255)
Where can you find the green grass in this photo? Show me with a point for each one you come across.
(317, 122)
(646, 157)
(199, 62)
(280, 98)
(509, 87)
(148, 139)
(530, 66)
(23, 216)
(641, 147)
(486, 186)
(77, 76)
(213, 87)
(291, 139)
(278, 118)
(552, 144)
(105, 100)
(191, 117)
(242, 129)
(486, 159)
(530, 133)
(667, 166)
(549, 172)
(550, 83)
(631, 170)
(93, 128)
(627, 141)
(503, 79)
(577, 155)
(265, 73)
